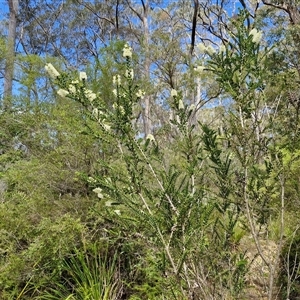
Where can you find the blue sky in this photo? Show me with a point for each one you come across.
(3, 15)
(3, 7)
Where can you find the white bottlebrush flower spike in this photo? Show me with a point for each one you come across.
(129, 73)
(72, 89)
(62, 92)
(150, 137)
(180, 104)
(96, 112)
(231, 155)
(140, 94)
(127, 51)
(98, 191)
(199, 69)
(121, 109)
(82, 76)
(192, 107)
(90, 95)
(118, 107)
(53, 73)
(202, 48)
(91, 180)
(256, 35)
(222, 49)
(210, 50)
(174, 93)
(106, 127)
(117, 79)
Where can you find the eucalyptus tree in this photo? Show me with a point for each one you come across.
(58, 29)
(10, 53)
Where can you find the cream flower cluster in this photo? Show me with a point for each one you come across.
(117, 79)
(256, 35)
(82, 76)
(150, 137)
(53, 73)
(127, 51)
(206, 49)
(100, 117)
(73, 88)
(180, 104)
(100, 195)
(199, 69)
(129, 74)
(174, 93)
(119, 107)
(62, 93)
(90, 95)
(98, 191)
(140, 94)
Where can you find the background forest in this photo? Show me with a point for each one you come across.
(149, 149)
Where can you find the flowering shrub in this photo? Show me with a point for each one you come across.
(188, 204)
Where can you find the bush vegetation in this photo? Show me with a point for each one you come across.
(91, 208)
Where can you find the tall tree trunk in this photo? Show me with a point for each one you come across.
(145, 41)
(147, 102)
(10, 54)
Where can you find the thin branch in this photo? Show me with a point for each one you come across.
(196, 8)
(117, 15)
(282, 7)
(95, 13)
(135, 11)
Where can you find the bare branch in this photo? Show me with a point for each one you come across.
(135, 11)
(87, 6)
(196, 7)
(282, 7)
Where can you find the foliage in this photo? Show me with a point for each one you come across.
(92, 274)
(153, 174)
(288, 279)
(172, 206)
